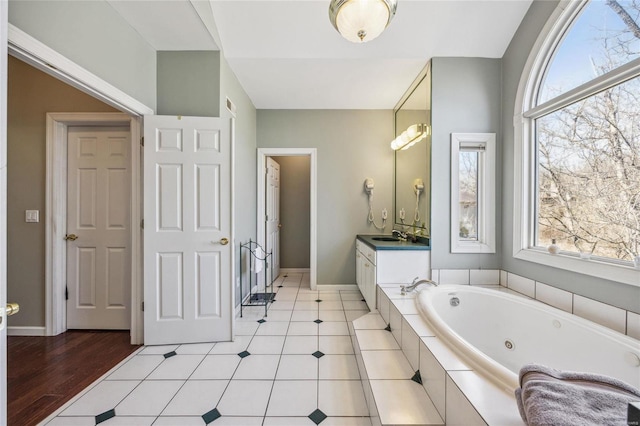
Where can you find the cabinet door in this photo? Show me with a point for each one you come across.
(359, 268)
(369, 278)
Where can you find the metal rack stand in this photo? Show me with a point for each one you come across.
(257, 298)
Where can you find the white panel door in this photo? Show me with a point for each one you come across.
(98, 228)
(187, 227)
(273, 218)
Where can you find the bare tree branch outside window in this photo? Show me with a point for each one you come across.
(589, 159)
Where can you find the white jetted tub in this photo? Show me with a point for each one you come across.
(497, 333)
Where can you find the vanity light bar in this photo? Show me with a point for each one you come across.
(414, 134)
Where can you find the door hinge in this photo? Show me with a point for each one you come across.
(266, 218)
(142, 306)
(142, 141)
(142, 224)
(66, 292)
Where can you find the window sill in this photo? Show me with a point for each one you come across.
(592, 267)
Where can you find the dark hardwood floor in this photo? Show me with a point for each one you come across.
(45, 372)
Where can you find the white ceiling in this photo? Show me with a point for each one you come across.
(287, 55)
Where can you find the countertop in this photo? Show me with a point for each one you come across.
(376, 244)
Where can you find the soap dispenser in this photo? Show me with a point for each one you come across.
(553, 248)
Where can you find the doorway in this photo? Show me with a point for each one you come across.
(290, 227)
(98, 228)
(25, 49)
(61, 238)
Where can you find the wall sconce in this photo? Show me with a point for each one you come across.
(360, 21)
(410, 137)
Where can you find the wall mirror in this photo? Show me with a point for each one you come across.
(412, 198)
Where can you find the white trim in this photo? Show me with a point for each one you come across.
(232, 237)
(56, 214)
(590, 88)
(294, 271)
(524, 191)
(4, 18)
(312, 153)
(593, 267)
(26, 331)
(486, 211)
(32, 51)
(337, 287)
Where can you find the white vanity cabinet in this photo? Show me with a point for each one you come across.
(366, 273)
(388, 264)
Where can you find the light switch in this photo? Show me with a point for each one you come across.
(32, 216)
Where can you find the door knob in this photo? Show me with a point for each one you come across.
(224, 241)
(12, 309)
(71, 237)
(279, 225)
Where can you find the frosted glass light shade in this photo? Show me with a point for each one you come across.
(410, 137)
(360, 21)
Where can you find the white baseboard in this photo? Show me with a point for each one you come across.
(336, 287)
(26, 331)
(294, 270)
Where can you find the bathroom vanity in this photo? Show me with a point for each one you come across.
(382, 259)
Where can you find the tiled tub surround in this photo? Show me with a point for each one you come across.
(620, 320)
(294, 367)
(460, 395)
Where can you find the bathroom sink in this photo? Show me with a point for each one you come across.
(385, 239)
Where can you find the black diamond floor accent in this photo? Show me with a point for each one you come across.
(244, 354)
(106, 416)
(318, 321)
(262, 320)
(417, 377)
(388, 327)
(318, 300)
(280, 286)
(212, 415)
(170, 354)
(362, 300)
(318, 355)
(317, 416)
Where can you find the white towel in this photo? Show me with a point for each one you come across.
(257, 260)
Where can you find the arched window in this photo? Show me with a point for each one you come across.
(581, 139)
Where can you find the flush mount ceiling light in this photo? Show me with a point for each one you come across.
(410, 137)
(360, 21)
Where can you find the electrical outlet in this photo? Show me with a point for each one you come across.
(384, 214)
(402, 214)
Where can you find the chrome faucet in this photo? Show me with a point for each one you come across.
(399, 234)
(405, 289)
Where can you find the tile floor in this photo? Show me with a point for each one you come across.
(295, 368)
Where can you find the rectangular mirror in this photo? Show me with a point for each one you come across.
(412, 202)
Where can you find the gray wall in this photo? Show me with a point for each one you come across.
(294, 211)
(32, 94)
(245, 164)
(466, 98)
(189, 83)
(621, 295)
(93, 35)
(352, 145)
